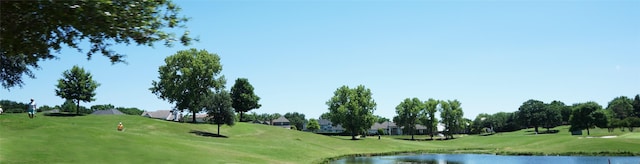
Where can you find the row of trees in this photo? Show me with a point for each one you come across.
(68, 106)
(191, 80)
(412, 112)
(620, 112)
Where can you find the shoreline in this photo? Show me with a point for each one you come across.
(481, 151)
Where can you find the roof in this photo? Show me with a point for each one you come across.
(383, 125)
(281, 119)
(107, 112)
(324, 122)
(161, 114)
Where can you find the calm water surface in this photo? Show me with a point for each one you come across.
(487, 158)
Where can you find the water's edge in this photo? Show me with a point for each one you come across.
(481, 151)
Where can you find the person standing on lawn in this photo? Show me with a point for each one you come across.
(31, 110)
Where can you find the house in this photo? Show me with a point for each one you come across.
(107, 112)
(282, 122)
(158, 114)
(326, 126)
(389, 128)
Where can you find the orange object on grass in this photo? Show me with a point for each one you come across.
(120, 127)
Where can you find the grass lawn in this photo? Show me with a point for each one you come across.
(94, 139)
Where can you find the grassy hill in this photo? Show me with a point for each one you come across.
(91, 139)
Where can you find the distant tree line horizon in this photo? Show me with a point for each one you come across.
(68, 106)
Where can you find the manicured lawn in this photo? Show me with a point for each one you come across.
(94, 139)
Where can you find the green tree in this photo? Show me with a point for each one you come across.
(532, 113)
(68, 106)
(13, 107)
(102, 107)
(313, 125)
(553, 115)
(326, 116)
(352, 108)
(565, 111)
(186, 77)
(482, 123)
(77, 85)
(622, 107)
(452, 117)
(31, 30)
(428, 116)
(587, 115)
(408, 113)
(296, 119)
(243, 97)
(219, 108)
(632, 122)
(636, 105)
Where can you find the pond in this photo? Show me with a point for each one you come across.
(487, 158)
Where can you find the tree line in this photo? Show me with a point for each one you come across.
(621, 112)
(68, 106)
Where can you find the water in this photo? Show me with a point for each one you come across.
(489, 159)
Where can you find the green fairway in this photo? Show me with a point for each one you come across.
(91, 139)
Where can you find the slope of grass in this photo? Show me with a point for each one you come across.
(91, 139)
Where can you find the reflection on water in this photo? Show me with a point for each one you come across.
(486, 158)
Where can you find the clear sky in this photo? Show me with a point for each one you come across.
(490, 55)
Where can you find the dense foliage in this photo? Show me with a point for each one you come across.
(31, 30)
(77, 85)
(243, 97)
(186, 77)
(353, 109)
(296, 119)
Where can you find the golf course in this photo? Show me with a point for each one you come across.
(94, 139)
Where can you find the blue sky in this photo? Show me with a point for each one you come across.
(490, 55)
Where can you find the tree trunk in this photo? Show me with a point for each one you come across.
(353, 135)
(78, 108)
(218, 129)
(194, 116)
(536, 128)
(412, 132)
(588, 131)
(241, 113)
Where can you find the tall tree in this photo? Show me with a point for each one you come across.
(532, 113)
(458, 119)
(451, 114)
(77, 85)
(428, 117)
(408, 113)
(218, 107)
(313, 125)
(352, 108)
(565, 111)
(636, 105)
(296, 119)
(622, 107)
(186, 77)
(481, 123)
(31, 30)
(553, 116)
(587, 115)
(243, 97)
